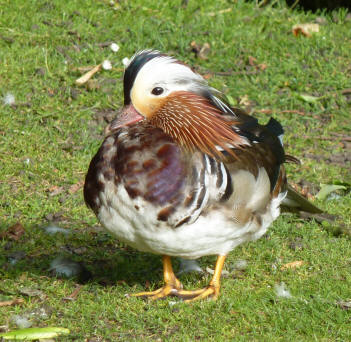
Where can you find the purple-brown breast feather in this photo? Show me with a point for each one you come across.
(146, 161)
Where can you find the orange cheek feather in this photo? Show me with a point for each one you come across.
(195, 123)
(147, 106)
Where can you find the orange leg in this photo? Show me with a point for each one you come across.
(173, 286)
(210, 291)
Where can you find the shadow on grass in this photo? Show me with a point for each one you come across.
(100, 258)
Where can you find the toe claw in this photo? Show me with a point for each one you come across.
(209, 292)
(160, 293)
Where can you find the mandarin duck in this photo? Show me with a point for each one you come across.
(181, 173)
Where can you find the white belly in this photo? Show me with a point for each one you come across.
(214, 233)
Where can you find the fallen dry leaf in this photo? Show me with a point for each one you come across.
(12, 302)
(262, 66)
(51, 92)
(58, 216)
(204, 51)
(254, 63)
(244, 100)
(31, 292)
(201, 51)
(302, 190)
(305, 29)
(75, 187)
(14, 232)
(195, 46)
(293, 264)
(55, 190)
(327, 189)
(345, 305)
(207, 76)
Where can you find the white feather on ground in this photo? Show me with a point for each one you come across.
(21, 322)
(65, 267)
(281, 290)
(53, 229)
(187, 266)
(9, 99)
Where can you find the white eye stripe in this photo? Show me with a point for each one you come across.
(164, 72)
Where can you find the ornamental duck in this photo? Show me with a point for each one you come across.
(182, 174)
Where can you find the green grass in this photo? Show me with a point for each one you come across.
(49, 136)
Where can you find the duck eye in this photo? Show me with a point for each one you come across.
(157, 91)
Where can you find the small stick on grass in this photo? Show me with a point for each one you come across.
(269, 111)
(15, 301)
(336, 137)
(74, 294)
(87, 76)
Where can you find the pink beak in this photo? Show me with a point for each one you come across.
(127, 117)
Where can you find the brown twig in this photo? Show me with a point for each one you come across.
(12, 302)
(293, 112)
(337, 137)
(269, 111)
(265, 111)
(87, 76)
(104, 44)
(230, 73)
(343, 136)
(346, 91)
(74, 294)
